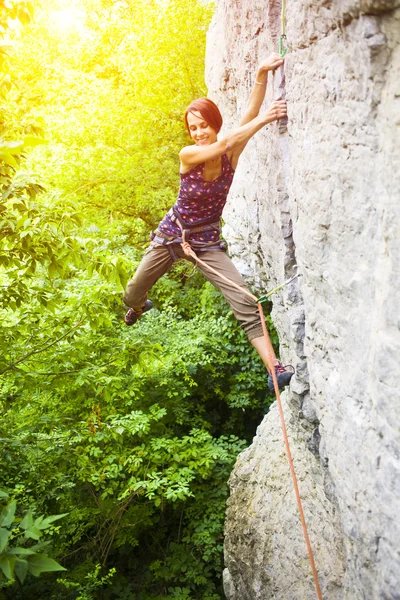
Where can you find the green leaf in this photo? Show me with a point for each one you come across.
(24, 15)
(27, 521)
(3, 494)
(12, 147)
(44, 523)
(8, 159)
(40, 563)
(37, 523)
(7, 516)
(7, 566)
(32, 140)
(4, 535)
(21, 569)
(22, 551)
(33, 532)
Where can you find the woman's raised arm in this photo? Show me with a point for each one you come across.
(234, 141)
(257, 94)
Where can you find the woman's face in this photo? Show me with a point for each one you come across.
(200, 131)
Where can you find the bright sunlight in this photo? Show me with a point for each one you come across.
(68, 19)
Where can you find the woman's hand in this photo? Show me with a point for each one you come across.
(277, 110)
(271, 63)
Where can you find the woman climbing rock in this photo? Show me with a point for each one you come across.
(207, 169)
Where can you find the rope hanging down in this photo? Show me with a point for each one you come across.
(270, 354)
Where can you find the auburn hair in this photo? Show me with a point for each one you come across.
(208, 110)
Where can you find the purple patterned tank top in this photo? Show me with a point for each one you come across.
(200, 201)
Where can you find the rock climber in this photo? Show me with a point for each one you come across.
(207, 168)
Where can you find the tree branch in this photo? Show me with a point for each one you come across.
(38, 350)
(51, 373)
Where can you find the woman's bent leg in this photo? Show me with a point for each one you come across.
(155, 263)
(243, 307)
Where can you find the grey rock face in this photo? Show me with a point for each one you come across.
(322, 195)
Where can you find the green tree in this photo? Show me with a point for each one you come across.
(129, 432)
(112, 95)
(18, 557)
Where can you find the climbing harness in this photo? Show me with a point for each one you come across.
(169, 241)
(282, 48)
(188, 250)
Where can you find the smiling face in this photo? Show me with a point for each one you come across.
(200, 131)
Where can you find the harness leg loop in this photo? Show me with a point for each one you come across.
(172, 253)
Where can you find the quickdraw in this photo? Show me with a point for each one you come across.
(266, 296)
(282, 48)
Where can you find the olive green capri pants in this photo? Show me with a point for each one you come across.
(157, 261)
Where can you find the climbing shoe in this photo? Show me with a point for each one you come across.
(283, 376)
(133, 315)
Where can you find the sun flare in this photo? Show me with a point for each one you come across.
(69, 19)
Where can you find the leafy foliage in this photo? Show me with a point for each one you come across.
(17, 559)
(139, 64)
(129, 434)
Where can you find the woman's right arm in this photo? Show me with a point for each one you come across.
(257, 94)
(234, 141)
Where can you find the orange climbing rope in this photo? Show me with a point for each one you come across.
(270, 353)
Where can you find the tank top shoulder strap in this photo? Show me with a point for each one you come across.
(226, 165)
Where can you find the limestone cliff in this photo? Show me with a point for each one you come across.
(323, 196)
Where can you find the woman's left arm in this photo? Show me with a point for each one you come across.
(257, 94)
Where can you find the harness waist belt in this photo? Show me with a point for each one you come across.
(159, 238)
(207, 225)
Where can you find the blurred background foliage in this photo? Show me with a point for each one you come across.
(126, 436)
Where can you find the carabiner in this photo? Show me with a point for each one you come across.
(282, 49)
